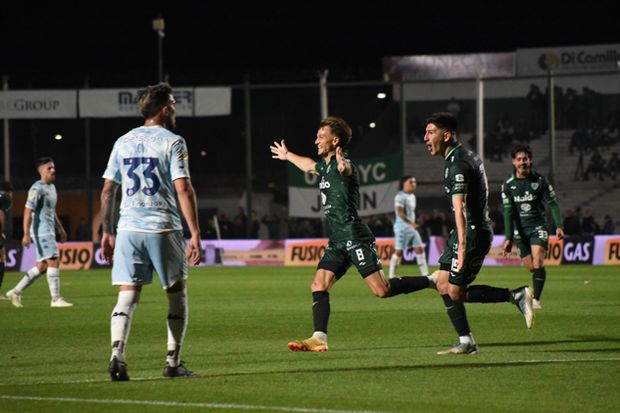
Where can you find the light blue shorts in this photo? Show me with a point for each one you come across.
(137, 254)
(406, 237)
(46, 247)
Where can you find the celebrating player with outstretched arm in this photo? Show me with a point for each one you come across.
(350, 241)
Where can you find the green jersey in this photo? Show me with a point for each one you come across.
(524, 203)
(464, 174)
(340, 197)
(5, 201)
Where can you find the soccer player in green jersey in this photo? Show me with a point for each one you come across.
(524, 195)
(466, 186)
(350, 240)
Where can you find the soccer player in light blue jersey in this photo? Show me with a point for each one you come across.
(40, 225)
(406, 233)
(150, 165)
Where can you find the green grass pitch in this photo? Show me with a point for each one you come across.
(381, 358)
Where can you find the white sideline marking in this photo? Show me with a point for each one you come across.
(184, 404)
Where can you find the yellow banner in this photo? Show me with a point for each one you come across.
(76, 255)
(612, 251)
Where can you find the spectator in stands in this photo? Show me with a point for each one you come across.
(436, 224)
(588, 223)
(537, 110)
(596, 166)
(613, 166)
(254, 225)
(572, 224)
(273, 226)
(608, 226)
(209, 232)
(83, 232)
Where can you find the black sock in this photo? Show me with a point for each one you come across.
(538, 279)
(406, 285)
(487, 294)
(1, 273)
(320, 310)
(456, 312)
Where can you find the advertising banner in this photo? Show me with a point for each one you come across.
(38, 104)
(610, 248)
(12, 256)
(118, 103)
(379, 180)
(566, 60)
(578, 250)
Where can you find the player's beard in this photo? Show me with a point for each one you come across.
(169, 123)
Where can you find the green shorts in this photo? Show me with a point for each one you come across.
(528, 236)
(339, 255)
(478, 246)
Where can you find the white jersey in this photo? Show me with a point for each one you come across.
(145, 162)
(407, 202)
(42, 200)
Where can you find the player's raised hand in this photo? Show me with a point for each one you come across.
(279, 150)
(344, 165)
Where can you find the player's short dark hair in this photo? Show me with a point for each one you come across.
(152, 98)
(404, 179)
(43, 161)
(340, 128)
(6, 186)
(443, 120)
(521, 148)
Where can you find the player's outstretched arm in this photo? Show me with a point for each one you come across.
(281, 152)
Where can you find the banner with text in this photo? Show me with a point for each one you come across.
(38, 104)
(112, 103)
(379, 180)
(564, 60)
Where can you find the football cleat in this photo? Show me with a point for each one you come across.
(178, 371)
(522, 297)
(16, 299)
(536, 304)
(60, 302)
(118, 370)
(460, 348)
(310, 344)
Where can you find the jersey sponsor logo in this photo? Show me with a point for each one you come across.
(525, 198)
(459, 178)
(324, 184)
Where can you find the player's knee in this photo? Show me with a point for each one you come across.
(398, 253)
(318, 285)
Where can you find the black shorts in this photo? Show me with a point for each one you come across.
(340, 255)
(478, 246)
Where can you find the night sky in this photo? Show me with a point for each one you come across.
(225, 42)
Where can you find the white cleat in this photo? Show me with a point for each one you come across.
(16, 299)
(536, 304)
(60, 302)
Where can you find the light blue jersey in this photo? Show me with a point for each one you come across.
(146, 161)
(405, 236)
(42, 200)
(407, 202)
